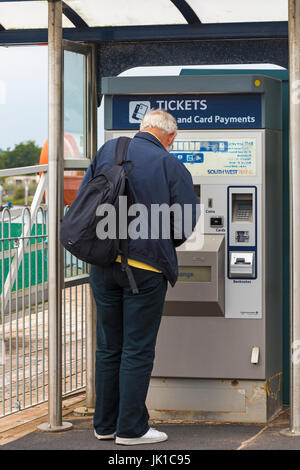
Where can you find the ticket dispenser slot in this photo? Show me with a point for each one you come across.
(241, 264)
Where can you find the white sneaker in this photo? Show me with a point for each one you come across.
(151, 436)
(104, 436)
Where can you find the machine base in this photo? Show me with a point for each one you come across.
(243, 401)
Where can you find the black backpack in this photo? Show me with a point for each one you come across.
(78, 227)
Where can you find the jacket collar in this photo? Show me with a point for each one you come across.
(150, 137)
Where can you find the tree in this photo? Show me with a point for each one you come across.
(24, 154)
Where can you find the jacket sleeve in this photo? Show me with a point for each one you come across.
(182, 194)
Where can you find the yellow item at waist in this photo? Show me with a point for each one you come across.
(138, 264)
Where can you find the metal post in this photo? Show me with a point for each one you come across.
(294, 78)
(91, 323)
(90, 352)
(55, 189)
(89, 407)
(91, 317)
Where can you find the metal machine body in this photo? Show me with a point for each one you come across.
(219, 351)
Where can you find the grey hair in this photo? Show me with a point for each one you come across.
(160, 119)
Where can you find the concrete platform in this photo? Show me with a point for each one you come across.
(182, 436)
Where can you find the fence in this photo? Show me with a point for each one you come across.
(24, 312)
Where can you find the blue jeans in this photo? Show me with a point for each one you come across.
(127, 327)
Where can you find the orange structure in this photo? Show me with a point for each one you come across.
(72, 179)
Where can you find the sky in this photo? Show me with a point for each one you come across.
(23, 95)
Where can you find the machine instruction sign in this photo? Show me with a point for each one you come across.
(192, 111)
(230, 157)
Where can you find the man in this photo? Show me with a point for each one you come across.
(127, 323)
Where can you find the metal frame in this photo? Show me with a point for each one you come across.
(91, 147)
(71, 14)
(55, 168)
(294, 78)
(55, 189)
(23, 311)
(203, 31)
(57, 46)
(87, 51)
(186, 11)
(15, 247)
(69, 164)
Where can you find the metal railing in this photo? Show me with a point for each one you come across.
(74, 308)
(23, 259)
(24, 309)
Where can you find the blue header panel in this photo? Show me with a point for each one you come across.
(197, 111)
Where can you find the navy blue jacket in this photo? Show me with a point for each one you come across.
(156, 178)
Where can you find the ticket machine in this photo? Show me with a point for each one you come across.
(219, 348)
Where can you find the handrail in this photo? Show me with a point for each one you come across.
(69, 164)
(26, 170)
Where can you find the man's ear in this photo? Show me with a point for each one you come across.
(171, 137)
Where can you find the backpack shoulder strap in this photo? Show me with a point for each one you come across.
(121, 149)
(120, 157)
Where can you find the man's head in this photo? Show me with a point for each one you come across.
(162, 124)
